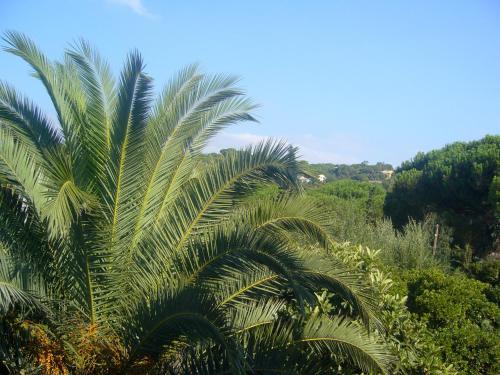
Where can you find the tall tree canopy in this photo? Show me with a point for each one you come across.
(460, 182)
(120, 254)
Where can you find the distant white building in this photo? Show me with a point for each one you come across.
(388, 173)
(304, 179)
(322, 178)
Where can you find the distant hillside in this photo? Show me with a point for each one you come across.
(360, 172)
(332, 172)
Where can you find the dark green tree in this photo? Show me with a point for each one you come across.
(459, 183)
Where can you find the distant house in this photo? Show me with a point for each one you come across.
(304, 179)
(388, 173)
(322, 178)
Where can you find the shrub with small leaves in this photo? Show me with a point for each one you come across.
(465, 324)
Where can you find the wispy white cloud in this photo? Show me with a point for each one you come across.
(333, 149)
(136, 5)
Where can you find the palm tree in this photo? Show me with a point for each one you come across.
(123, 250)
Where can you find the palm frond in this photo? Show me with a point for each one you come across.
(20, 292)
(245, 285)
(287, 215)
(19, 168)
(26, 120)
(20, 45)
(191, 110)
(346, 341)
(235, 250)
(327, 273)
(64, 200)
(177, 315)
(214, 193)
(24, 235)
(126, 168)
(208, 198)
(255, 314)
(97, 83)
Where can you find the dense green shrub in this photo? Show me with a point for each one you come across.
(487, 270)
(368, 198)
(464, 323)
(412, 246)
(411, 339)
(437, 323)
(356, 213)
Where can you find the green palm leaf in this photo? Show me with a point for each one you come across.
(346, 340)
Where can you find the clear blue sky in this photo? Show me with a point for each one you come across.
(346, 81)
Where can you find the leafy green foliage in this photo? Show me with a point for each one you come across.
(412, 246)
(459, 183)
(437, 323)
(487, 271)
(356, 214)
(411, 340)
(463, 322)
(367, 198)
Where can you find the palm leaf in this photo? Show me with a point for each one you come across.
(347, 341)
(97, 83)
(125, 170)
(26, 120)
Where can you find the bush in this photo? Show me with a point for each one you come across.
(465, 324)
(487, 271)
(408, 248)
(411, 339)
(437, 323)
(367, 197)
(356, 214)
